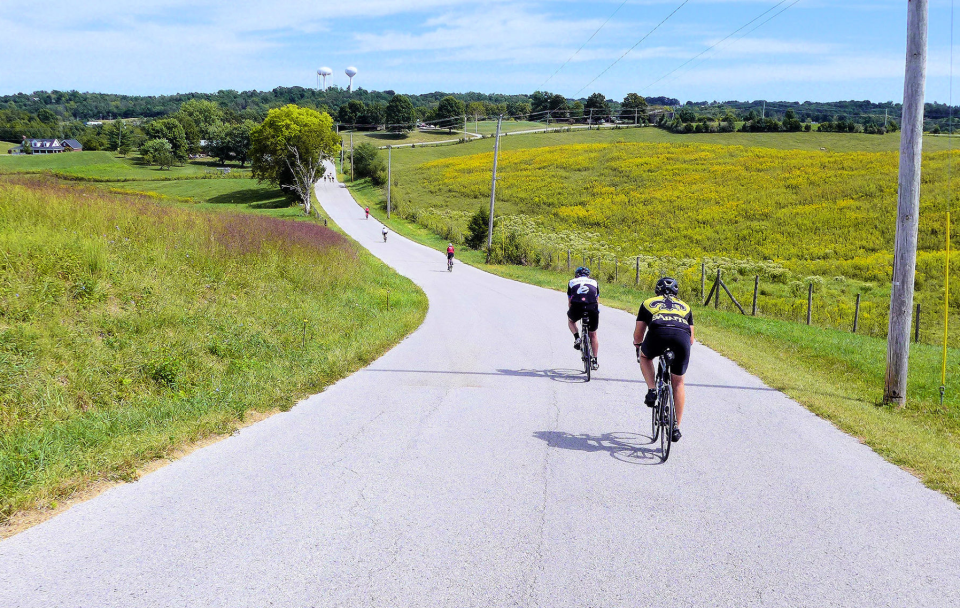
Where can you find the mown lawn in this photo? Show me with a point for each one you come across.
(129, 328)
(106, 166)
(222, 191)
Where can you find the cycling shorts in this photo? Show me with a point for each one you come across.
(449, 255)
(658, 340)
(575, 313)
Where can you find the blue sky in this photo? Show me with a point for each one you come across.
(816, 50)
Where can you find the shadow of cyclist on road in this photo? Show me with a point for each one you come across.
(625, 447)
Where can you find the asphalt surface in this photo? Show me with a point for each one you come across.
(472, 466)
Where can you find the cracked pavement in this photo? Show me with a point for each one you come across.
(471, 466)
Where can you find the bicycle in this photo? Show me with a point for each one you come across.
(663, 413)
(449, 264)
(384, 237)
(585, 345)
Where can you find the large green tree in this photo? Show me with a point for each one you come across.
(289, 148)
(450, 111)
(205, 114)
(633, 107)
(172, 131)
(596, 106)
(400, 114)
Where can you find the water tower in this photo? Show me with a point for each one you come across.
(350, 72)
(324, 72)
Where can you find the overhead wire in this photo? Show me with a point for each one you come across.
(569, 59)
(731, 34)
(647, 35)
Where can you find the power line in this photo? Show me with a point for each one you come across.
(584, 44)
(731, 34)
(647, 35)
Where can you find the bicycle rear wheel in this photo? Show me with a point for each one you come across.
(585, 346)
(669, 422)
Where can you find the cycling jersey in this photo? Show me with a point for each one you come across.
(583, 291)
(450, 251)
(662, 312)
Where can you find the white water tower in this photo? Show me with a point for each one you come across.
(350, 72)
(323, 72)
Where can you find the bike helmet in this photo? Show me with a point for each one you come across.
(582, 272)
(667, 286)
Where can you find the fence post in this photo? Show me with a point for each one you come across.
(916, 335)
(756, 287)
(616, 269)
(809, 303)
(568, 260)
(716, 297)
(703, 277)
(856, 314)
(636, 281)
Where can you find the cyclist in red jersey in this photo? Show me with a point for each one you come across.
(367, 211)
(450, 252)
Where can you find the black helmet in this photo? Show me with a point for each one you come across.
(667, 286)
(582, 271)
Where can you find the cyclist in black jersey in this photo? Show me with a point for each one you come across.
(665, 321)
(582, 295)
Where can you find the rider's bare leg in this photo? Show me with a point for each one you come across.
(679, 396)
(573, 327)
(594, 343)
(646, 367)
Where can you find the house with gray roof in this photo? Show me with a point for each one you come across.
(48, 146)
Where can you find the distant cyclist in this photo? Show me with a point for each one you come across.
(450, 252)
(665, 321)
(582, 295)
(384, 233)
(367, 211)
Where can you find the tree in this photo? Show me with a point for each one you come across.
(476, 109)
(46, 116)
(205, 114)
(634, 106)
(158, 152)
(400, 114)
(450, 111)
(686, 115)
(540, 102)
(171, 130)
(350, 112)
(289, 148)
(367, 162)
(791, 122)
(558, 106)
(231, 142)
(374, 115)
(477, 228)
(576, 109)
(596, 106)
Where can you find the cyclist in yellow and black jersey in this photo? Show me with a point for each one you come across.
(665, 321)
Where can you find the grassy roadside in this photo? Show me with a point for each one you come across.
(837, 375)
(129, 329)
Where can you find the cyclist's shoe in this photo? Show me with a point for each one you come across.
(676, 434)
(593, 364)
(576, 343)
(651, 398)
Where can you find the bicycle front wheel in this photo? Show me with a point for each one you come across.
(585, 347)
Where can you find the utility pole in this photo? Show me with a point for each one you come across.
(389, 155)
(908, 206)
(351, 156)
(493, 185)
(590, 121)
(763, 114)
(464, 126)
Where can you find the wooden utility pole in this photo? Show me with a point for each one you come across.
(908, 206)
(351, 156)
(493, 184)
(389, 177)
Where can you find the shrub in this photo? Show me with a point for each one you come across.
(476, 237)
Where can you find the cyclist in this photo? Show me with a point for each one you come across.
(384, 233)
(367, 211)
(582, 295)
(450, 251)
(665, 321)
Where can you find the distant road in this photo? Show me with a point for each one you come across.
(471, 466)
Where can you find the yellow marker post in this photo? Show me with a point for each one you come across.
(946, 312)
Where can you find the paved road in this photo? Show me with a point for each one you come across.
(470, 466)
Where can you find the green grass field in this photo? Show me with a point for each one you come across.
(105, 166)
(223, 191)
(129, 328)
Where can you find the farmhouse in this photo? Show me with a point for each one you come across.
(48, 146)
